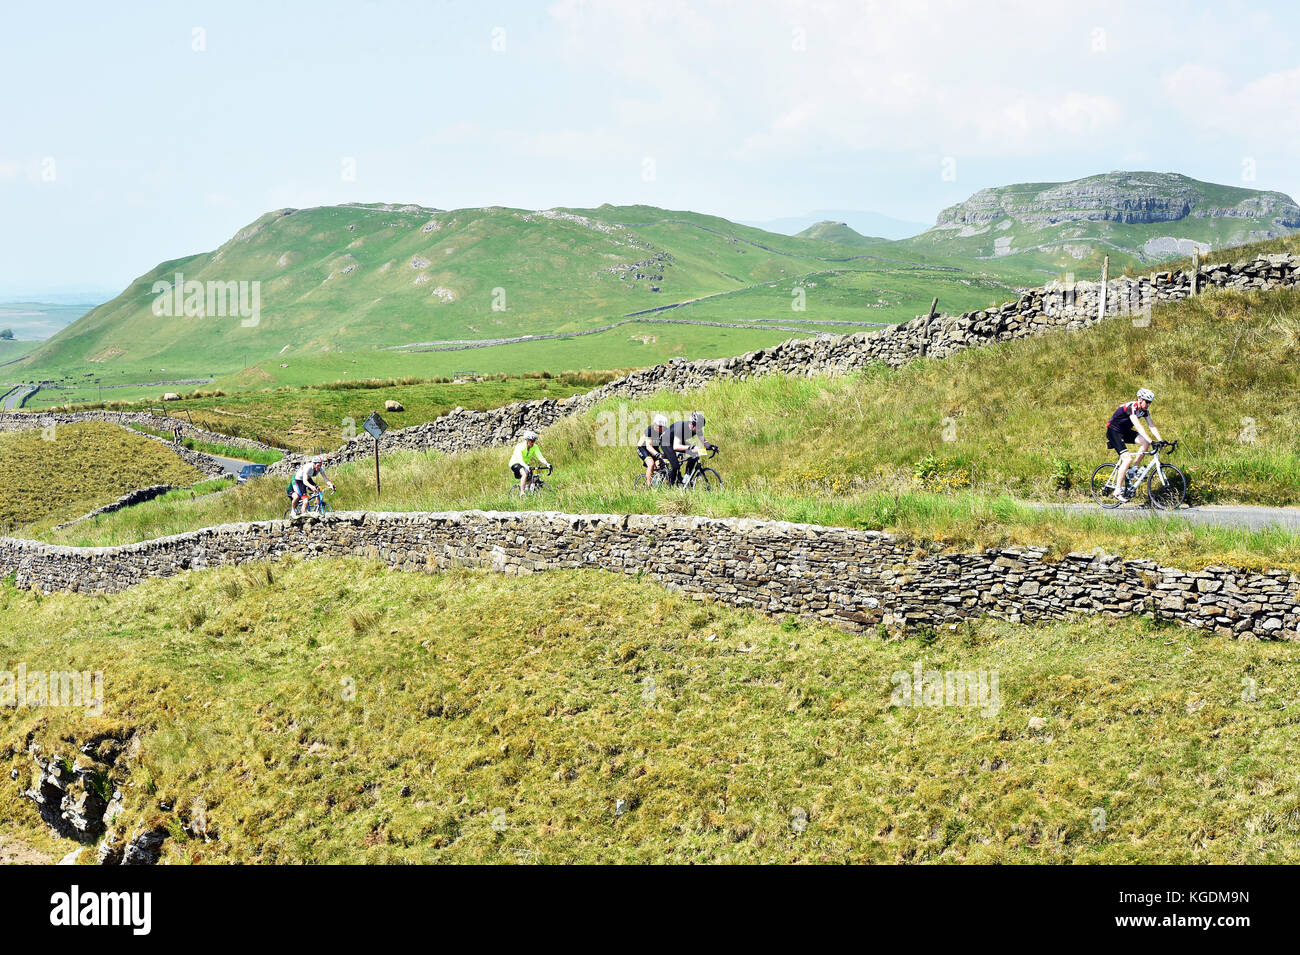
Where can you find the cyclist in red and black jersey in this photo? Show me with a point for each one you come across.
(1125, 428)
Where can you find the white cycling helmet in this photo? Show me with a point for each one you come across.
(660, 421)
(529, 436)
(1146, 394)
(697, 419)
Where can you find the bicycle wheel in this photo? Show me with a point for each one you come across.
(706, 479)
(1167, 494)
(1102, 487)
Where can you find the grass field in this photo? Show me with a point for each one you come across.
(940, 449)
(80, 468)
(256, 455)
(339, 712)
(318, 418)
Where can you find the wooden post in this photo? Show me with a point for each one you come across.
(376, 469)
(934, 306)
(1196, 267)
(1105, 279)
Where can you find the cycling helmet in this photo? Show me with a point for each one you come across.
(697, 419)
(1146, 394)
(529, 436)
(660, 421)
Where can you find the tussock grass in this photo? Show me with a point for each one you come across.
(83, 467)
(337, 712)
(1026, 421)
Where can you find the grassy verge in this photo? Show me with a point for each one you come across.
(953, 521)
(52, 476)
(316, 418)
(256, 455)
(337, 712)
(939, 449)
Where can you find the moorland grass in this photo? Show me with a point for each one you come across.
(338, 712)
(52, 476)
(943, 448)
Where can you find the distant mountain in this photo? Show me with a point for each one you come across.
(837, 232)
(865, 224)
(1135, 217)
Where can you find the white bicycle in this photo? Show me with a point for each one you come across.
(1166, 484)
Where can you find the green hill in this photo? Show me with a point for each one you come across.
(356, 278)
(838, 232)
(1134, 217)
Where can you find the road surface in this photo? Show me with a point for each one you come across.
(1213, 515)
(12, 402)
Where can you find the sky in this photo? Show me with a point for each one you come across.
(132, 134)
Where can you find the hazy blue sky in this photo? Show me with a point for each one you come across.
(133, 133)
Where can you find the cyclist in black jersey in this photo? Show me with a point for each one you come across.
(681, 435)
(1125, 428)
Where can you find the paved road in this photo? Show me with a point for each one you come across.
(12, 401)
(1215, 515)
(232, 465)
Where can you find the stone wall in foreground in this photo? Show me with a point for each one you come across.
(854, 579)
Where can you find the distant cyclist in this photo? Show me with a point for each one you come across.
(526, 459)
(650, 449)
(304, 482)
(681, 435)
(1125, 428)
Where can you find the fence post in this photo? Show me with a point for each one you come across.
(1196, 268)
(1101, 296)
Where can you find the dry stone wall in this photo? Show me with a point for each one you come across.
(1053, 307)
(29, 420)
(853, 579)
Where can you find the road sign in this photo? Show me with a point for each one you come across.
(375, 425)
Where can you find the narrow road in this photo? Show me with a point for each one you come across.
(1245, 517)
(232, 465)
(15, 398)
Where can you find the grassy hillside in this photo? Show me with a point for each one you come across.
(82, 467)
(9, 350)
(317, 418)
(838, 232)
(345, 280)
(337, 712)
(341, 282)
(942, 448)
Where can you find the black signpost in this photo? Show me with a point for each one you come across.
(375, 426)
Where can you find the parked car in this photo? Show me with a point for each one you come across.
(250, 471)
